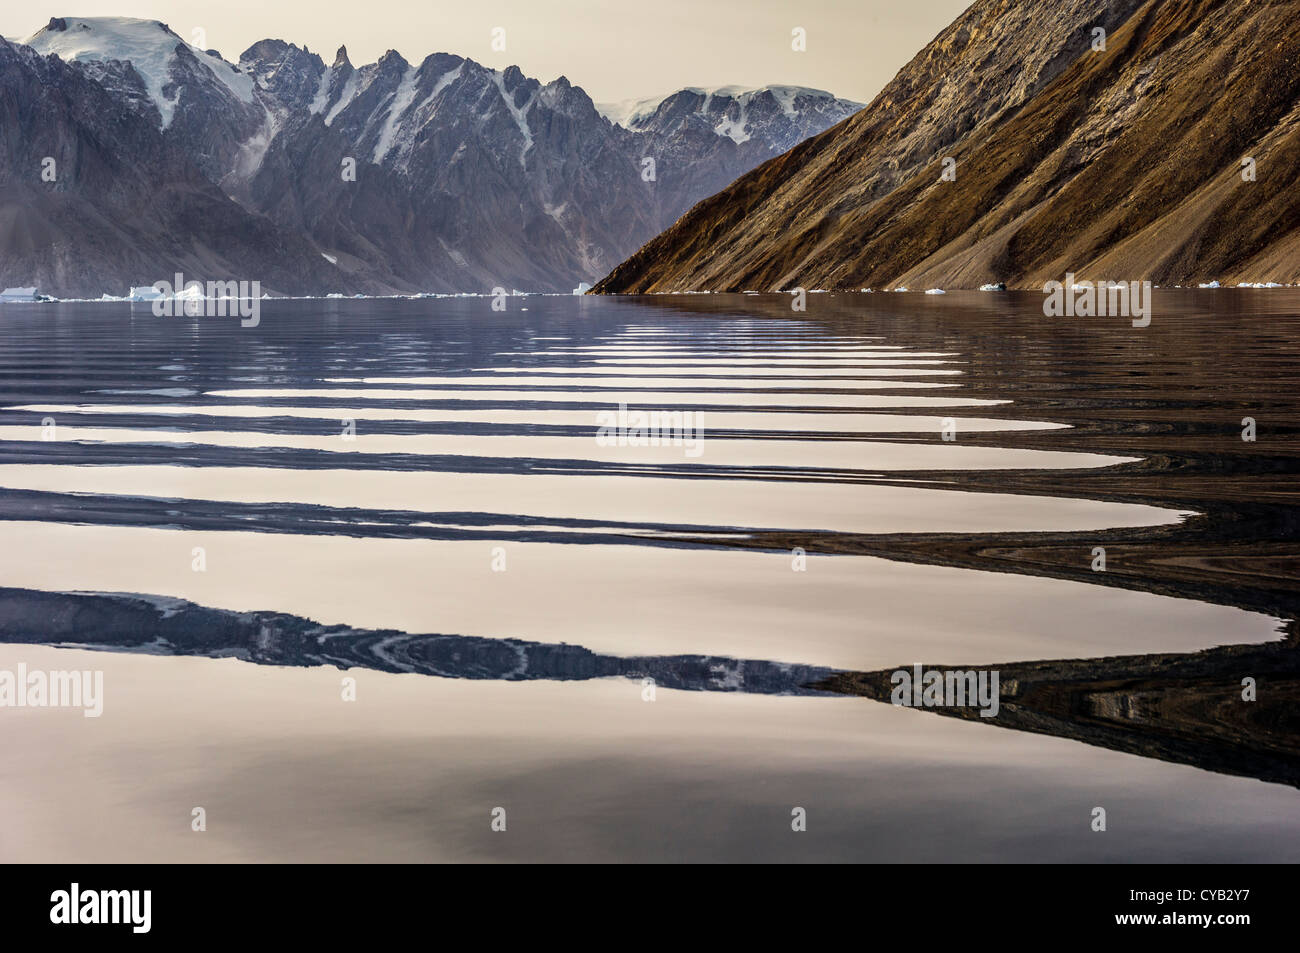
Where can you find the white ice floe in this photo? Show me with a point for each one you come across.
(1208, 284)
(935, 291)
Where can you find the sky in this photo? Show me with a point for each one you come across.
(614, 49)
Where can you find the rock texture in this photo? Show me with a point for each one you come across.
(466, 178)
(126, 205)
(1120, 163)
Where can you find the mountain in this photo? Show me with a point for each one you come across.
(774, 118)
(1122, 163)
(466, 178)
(126, 206)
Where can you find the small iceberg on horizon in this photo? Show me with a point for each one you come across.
(994, 286)
(19, 294)
(582, 289)
(935, 291)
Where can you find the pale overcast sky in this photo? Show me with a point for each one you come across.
(614, 49)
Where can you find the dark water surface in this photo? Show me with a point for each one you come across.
(411, 494)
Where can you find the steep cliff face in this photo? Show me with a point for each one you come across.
(441, 175)
(198, 99)
(95, 198)
(1119, 163)
(478, 177)
(466, 178)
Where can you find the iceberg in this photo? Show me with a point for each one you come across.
(19, 294)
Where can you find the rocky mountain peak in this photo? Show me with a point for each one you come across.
(465, 177)
(1025, 141)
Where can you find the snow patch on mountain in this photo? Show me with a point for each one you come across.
(322, 97)
(445, 80)
(346, 95)
(403, 96)
(625, 112)
(520, 114)
(734, 129)
(634, 113)
(148, 45)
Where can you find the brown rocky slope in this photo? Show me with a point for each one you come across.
(1115, 164)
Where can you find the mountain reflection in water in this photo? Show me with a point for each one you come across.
(127, 441)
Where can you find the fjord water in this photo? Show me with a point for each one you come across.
(230, 521)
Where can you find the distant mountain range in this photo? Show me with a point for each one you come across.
(1118, 140)
(438, 176)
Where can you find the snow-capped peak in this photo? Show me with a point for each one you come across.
(632, 113)
(148, 45)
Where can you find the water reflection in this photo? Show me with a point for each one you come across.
(474, 429)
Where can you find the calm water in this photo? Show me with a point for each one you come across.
(229, 522)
